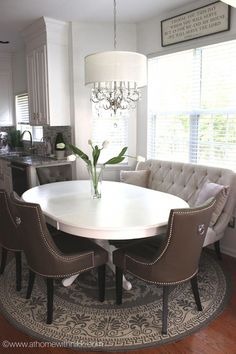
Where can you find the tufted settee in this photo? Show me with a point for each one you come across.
(186, 180)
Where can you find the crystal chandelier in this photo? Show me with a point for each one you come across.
(116, 77)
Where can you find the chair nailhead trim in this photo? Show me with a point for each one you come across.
(170, 234)
(166, 283)
(67, 259)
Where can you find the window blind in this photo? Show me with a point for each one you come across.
(22, 109)
(111, 128)
(192, 106)
(22, 118)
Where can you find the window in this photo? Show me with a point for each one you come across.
(22, 118)
(192, 106)
(111, 128)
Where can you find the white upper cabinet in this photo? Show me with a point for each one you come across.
(48, 72)
(6, 93)
(38, 86)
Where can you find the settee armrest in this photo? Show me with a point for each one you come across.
(222, 223)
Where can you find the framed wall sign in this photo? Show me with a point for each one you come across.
(204, 21)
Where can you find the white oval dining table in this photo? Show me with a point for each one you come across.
(123, 212)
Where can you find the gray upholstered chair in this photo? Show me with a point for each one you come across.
(52, 174)
(9, 236)
(172, 261)
(58, 257)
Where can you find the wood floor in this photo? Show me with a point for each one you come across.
(219, 337)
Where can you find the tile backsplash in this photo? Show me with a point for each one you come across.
(49, 134)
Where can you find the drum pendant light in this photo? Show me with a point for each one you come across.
(116, 77)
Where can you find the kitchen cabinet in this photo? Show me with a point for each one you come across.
(5, 175)
(37, 86)
(6, 92)
(48, 72)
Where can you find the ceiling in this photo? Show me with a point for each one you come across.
(17, 14)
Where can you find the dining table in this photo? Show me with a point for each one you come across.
(124, 211)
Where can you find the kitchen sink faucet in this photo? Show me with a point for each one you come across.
(31, 147)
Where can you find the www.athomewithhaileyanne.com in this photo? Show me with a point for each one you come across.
(35, 344)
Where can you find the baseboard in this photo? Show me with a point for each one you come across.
(228, 251)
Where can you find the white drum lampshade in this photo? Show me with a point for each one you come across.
(116, 66)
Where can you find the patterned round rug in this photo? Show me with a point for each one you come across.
(81, 321)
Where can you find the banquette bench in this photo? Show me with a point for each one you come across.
(187, 181)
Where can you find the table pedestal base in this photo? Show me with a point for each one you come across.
(109, 248)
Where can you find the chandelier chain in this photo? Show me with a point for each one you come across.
(115, 42)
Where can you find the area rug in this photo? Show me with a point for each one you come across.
(82, 322)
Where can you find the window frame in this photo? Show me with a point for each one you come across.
(194, 116)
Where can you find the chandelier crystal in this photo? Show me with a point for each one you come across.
(116, 77)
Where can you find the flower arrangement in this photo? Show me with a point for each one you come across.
(94, 170)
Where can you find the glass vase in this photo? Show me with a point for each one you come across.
(95, 175)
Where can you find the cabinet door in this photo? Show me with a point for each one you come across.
(42, 85)
(7, 176)
(32, 87)
(1, 175)
(5, 98)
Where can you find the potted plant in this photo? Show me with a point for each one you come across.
(15, 141)
(60, 146)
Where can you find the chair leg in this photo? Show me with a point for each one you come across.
(165, 309)
(101, 282)
(30, 284)
(18, 270)
(4, 259)
(49, 300)
(119, 288)
(217, 250)
(196, 293)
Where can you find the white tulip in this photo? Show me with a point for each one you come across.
(90, 142)
(141, 158)
(71, 158)
(60, 146)
(105, 144)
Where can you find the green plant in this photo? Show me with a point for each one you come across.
(15, 139)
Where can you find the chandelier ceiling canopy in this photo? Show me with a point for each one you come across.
(116, 77)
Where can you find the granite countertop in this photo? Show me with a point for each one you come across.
(32, 160)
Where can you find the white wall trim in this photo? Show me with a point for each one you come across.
(229, 251)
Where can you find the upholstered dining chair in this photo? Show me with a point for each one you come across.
(173, 260)
(9, 236)
(52, 174)
(58, 257)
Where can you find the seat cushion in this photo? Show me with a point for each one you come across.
(210, 190)
(138, 178)
(72, 245)
(143, 251)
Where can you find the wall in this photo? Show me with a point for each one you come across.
(87, 38)
(148, 42)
